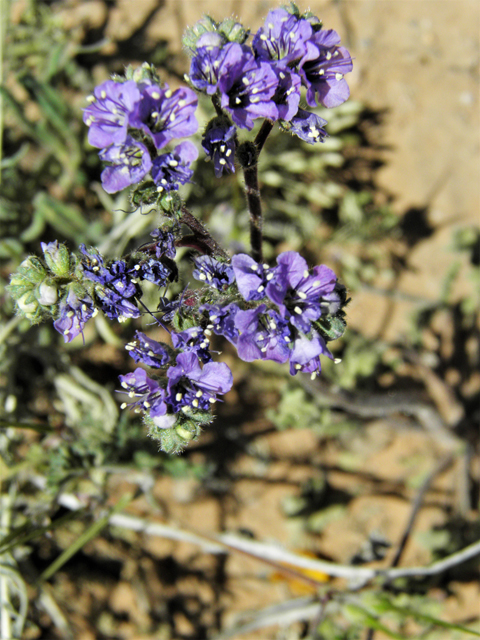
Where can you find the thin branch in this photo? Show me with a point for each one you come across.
(417, 504)
(359, 576)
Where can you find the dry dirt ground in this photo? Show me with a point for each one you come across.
(418, 61)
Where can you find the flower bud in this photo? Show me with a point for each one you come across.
(47, 294)
(57, 258)
(192, 34)
(144, 73)
(27, 304)
(247, 154)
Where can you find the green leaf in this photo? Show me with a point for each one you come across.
(21, 535)
(422, 617)
(361, 615)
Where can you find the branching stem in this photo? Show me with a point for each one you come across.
(200, 233)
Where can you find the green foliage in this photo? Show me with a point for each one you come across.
(361, 357)
(295, 410)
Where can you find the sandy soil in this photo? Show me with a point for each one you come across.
(418, 61)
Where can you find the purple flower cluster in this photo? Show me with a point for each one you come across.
(284, 325)
(264, 80)
(131, 122)
(73, 313)
(116, 288)
(188, 388)
(218, 275)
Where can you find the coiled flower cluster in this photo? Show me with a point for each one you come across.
(285, 312)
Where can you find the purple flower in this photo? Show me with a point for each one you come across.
(217, 274)
(322, 70)
(222, 320)
(246, 86)
(73, 313)
(171, 169)
(263, 336)
(287, 93)
(194, 340)
(191, 386)
(206, 64)
(296, 292)
(306, 353)
(146, 350)
(154, 271)
(218, 143)
(283, 38)
(129, 162)
(108, 115)
(114, 305)
(252, 278)
(307, 126)
(93, 265)
(114, 284)
(165, 114)
(164, 243)
(151, 396)
(169, 308)
(116, 275)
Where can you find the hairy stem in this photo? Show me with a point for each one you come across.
(201, 236)
(253, 194)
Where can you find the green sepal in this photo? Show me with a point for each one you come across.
(197, 417)
(182, 322)
(79, 290)
(171, 204)
(145, 193)
(177, 437)
(16, 291)
(33, 270)
(331, 327)
(233, 31)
